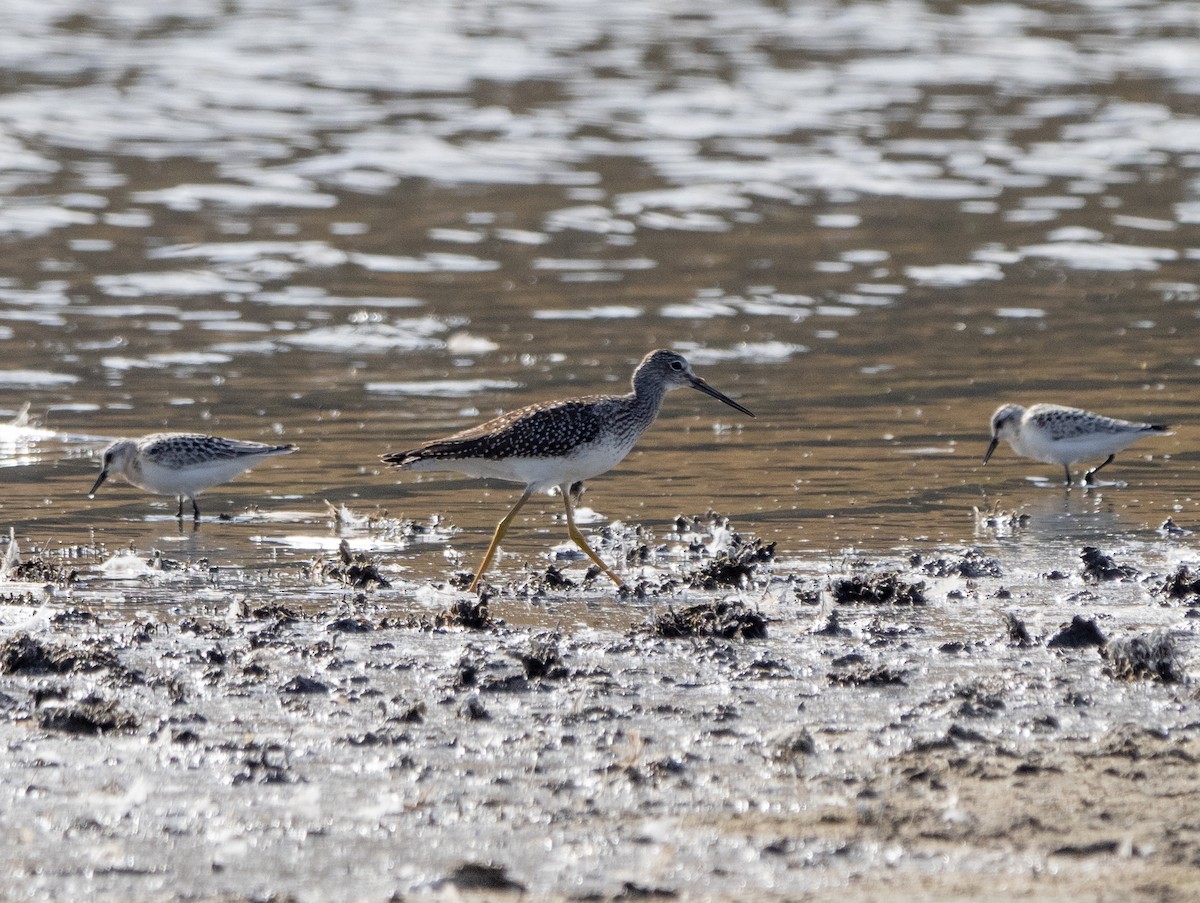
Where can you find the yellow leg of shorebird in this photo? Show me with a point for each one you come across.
(501, 529)
(577, 537)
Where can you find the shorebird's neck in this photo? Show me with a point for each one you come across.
(648, 392)
(631, 414)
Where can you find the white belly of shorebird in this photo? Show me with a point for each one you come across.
(538, 473)
(190, 479)
(1075, 448)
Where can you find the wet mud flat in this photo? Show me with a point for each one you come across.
(948, 725)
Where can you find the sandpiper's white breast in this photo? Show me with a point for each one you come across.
(186, 479)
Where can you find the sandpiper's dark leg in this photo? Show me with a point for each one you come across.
(577, 537)
(501, 529)
(195, 509)
(1067, 470)
(1087, 477)
(179, 513)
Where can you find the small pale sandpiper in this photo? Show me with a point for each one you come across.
(1061, 435)
(181, 464)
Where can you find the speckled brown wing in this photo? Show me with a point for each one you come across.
(554, 429)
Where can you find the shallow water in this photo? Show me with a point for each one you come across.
(357, 229)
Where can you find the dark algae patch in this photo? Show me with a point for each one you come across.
(38, 570)
(302, 684)
(21, 653)
(550, 581)
(543, 659)
(971, 564)
(886, 588)
(1018, 633)
(354, 569)
(722, 619)
(1153, 656)
(469, 614)
(1184, 584)
(733, 568)
(853, 672)
(91, 715)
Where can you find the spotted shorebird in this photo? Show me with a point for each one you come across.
(1059, 435)
(181, 464)
(559, 443)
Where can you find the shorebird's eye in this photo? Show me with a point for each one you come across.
(677, 366)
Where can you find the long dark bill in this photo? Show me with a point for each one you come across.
(698, 383)
(991, 448)
(100, 479)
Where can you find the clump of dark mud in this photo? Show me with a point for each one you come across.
(304, 685)
(69, 616)
(733, 567)
(460, 579)
(793, 749)
(552, 580)
(1151, 655)
(731, 558)
(633, 542)
(1079, 634)
(39, 570)
(1018, 633)
(1183, 584)
(270, 611)
(355, 569)
(709, 619)
(473, 709)
(1100, 568)
(648, 587)
(480, 876)
(807, 592)
(199, 627)
(857, 672)
(350, 624)
(972, 564)
(543, 660)
(91, 715)
(262, 763)
(471, 614)
(1002, 523)
(877, 589)
(978, 701)
(831, 627)
(21, 653)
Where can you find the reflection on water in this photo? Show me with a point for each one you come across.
(358, 227)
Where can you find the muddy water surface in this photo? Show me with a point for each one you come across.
(359, 226)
